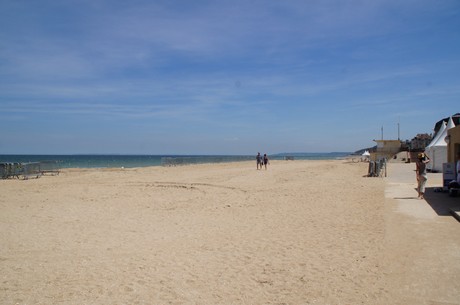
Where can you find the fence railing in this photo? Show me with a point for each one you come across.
(28, 170)
(10, 170)
(50, 167)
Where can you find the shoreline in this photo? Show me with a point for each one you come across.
(133, 161)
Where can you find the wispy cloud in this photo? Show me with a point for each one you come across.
(232, 65)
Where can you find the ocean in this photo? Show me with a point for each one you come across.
(130, 161)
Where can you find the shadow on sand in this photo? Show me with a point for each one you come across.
(441, 202)
(403, 198)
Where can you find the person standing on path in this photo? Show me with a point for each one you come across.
(420, 171)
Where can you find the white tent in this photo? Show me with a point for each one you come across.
(437, 149)
(365, 156)
(450, 124)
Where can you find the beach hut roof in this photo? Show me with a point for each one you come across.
(455, 119)
(450, 124)
(438, 135)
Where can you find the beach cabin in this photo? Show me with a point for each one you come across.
(453, 143)
(453, 148)
(386, 149)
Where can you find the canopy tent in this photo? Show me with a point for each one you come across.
(366, 156)
(437, 149)
(450, 124)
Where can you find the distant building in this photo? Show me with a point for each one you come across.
(453, 143)
(420, 142)
(386, 149)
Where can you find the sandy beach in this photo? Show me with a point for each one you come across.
(301, 232)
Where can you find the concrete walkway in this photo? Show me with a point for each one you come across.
(401, 185)
(422, 240)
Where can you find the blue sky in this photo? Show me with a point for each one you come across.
(223, 77)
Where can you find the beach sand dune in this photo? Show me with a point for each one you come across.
(302, 232)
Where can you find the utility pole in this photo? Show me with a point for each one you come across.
(399, 120)
(382, 132)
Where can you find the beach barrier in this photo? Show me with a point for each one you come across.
(50, 167)
(28, 170)
(10, 170)
(377, 168)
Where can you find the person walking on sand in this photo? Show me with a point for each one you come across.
(420, 171)
(259, 160)
(265, 161)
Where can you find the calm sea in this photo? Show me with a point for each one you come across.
(129, 161)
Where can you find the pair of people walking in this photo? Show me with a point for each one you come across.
(262, 161)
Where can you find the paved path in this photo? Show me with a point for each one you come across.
(422, 240)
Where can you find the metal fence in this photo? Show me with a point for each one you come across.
(28, 170)
(50, 167)
(10, 170)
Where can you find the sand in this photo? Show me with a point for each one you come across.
(301, 232)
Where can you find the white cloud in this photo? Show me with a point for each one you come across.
(239, 64)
